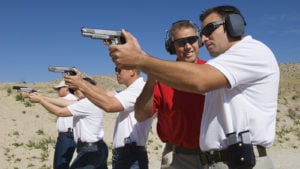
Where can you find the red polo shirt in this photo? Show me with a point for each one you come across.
(179, 115)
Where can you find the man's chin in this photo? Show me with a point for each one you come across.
(189, 58)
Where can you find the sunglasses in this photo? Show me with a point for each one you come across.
(118, 70)
(210, 28)
(182, 41)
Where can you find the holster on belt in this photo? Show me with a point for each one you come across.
(241, 156)
(237, 156)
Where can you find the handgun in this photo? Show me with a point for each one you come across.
(18, 87)
(24, 89)
(112, 36)
(28, 89)
(62, 69)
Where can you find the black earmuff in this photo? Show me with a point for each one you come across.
(169, 44)
(235, 25)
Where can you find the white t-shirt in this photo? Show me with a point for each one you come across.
(126, 124)
(87, 121)
(250, 103)
(63, 123)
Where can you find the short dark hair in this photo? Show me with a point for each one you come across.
(223, 11)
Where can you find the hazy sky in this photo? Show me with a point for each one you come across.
(35, 34)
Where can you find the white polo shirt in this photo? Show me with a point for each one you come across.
(250, 103)
(126, 124)
(87, 121)
(63, 123)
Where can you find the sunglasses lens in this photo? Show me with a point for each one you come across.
(192, 39)
(183, 41)
(207, 30)
(117, 70)
(210, 28)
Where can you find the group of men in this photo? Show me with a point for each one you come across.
(87, 110)
(210, 114)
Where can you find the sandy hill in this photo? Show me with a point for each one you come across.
(28, 132)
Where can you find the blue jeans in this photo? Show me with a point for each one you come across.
(91, 157)
(129, 158)
(64, 149)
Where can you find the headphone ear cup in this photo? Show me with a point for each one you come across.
(169, 45)
(235, 25)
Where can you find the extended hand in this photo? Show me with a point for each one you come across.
(74, 81)
(127, 55)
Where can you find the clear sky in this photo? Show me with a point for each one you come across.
(35, 34)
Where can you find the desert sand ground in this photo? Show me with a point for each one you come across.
(28, 132)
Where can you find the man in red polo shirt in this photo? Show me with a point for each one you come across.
(179, 113)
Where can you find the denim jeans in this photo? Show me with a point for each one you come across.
(129, 159)
(91, 157)
(64, 149)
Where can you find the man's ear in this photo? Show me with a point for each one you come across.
(133, 72)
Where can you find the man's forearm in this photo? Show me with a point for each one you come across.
(101, 97)
(175, 74)
(143, 105)
(184, 76)
(59, 101)
(53, 109)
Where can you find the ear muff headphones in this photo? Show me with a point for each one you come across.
(235, 25)
(169, 44)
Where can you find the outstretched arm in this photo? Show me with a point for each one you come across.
(183, 76)
(52, 108)
(143, 105)
(98, 95)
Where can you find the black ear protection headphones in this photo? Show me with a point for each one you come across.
(234, 23)
(169, 44)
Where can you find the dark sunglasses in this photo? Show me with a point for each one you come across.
(182, 41)
(118, 70)
(210, 28)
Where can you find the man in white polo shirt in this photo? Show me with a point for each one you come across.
(130, 136)
(240, 82)
(92, 151)
(65, 144)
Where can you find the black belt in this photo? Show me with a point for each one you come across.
(131, 148)
(68, 134)
(223, 155)
(87, 144)
(184, 150)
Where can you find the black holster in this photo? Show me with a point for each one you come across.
(241, 156)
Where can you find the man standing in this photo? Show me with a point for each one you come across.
(65, 144)
(130, 136)
(179, 113)
(92, 151)
(241, 85)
